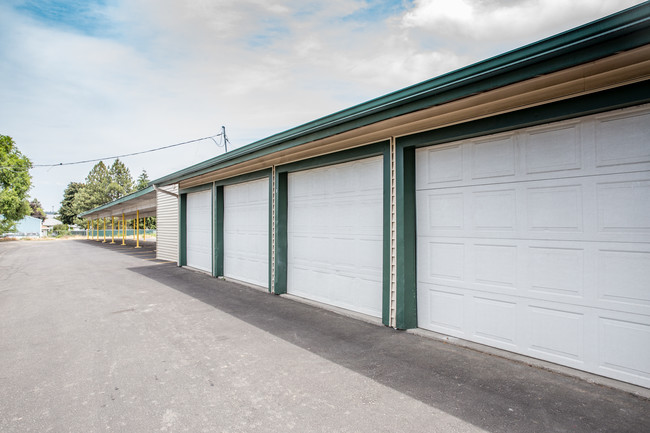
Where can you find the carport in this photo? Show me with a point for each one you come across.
(115, 215)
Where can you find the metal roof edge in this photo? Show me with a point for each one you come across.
(120, 200)
(606, 28)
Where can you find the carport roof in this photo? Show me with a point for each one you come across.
(143, 201)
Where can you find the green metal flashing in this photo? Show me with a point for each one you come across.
(198, 188)
(406, 290)
(620, 97)
(356, 153)
(261, 174)
(218, 250)
(619, 32)
(385, 280)
(182, 231)
(281, 244)
(120, 200)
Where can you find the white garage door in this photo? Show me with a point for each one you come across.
(246, 232)
(335, 235)
(538, 242)
(199, 230)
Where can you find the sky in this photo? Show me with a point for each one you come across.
(87, 79)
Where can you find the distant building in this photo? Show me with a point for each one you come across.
(28, 226)
(48, 224)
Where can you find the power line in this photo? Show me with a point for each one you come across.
(131, 154)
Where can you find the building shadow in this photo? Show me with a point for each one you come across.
(490, 392)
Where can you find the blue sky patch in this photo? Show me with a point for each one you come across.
(83, 16)
(379, 10)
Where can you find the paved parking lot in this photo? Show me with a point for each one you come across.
(100, 337)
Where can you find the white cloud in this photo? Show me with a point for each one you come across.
(499, 20)
(169, 71)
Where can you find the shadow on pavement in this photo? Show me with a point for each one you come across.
(490, 392)
(146, 251)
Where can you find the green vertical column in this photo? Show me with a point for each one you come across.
(182, 231)
(217, 230)
(406, 289)
(281, 210)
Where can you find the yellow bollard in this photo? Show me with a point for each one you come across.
(137, 228)
(123, 233)
(112, 229)
(104, 241)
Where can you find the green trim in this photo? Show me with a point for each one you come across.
(385, 289)
(406, 291)
(622, 31)
(256, 175)
(217, 231)
(120, 200)
(281, 244)
(182, 231)
(620, 97)
(198, 188)
(348, 155)
(219, 249)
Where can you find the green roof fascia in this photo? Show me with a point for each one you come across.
(120, 200)
(621, 31)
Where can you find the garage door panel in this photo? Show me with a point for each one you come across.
(199, 230)
(538, 241)
(246, 233)
(624, 347)
(335, 226)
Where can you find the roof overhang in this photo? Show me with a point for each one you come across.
(141, 203)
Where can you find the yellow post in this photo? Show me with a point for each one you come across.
(104, 241)
(123, 232)
(87, 230)
(97, 232)
(112, 229)
(137, 228)
(144, 229)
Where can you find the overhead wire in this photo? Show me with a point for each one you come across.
(133, 153)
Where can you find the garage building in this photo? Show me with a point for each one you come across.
(506, 203)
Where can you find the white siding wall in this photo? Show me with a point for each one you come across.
(167, 224)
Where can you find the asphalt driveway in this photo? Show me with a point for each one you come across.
(98, 337)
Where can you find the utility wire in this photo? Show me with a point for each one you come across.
(129, 154)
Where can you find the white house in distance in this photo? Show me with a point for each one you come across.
(505, 204)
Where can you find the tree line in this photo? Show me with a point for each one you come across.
(102, 185)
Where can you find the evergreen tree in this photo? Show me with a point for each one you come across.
(68, 212)
(15, 182)
(37, 209)
(121, 180)
(143, 181)
(96, 191)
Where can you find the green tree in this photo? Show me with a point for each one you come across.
(121, 181)
(37, 209)
(96, 191)
(15, 182)
(68, 212)
(143, 181)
